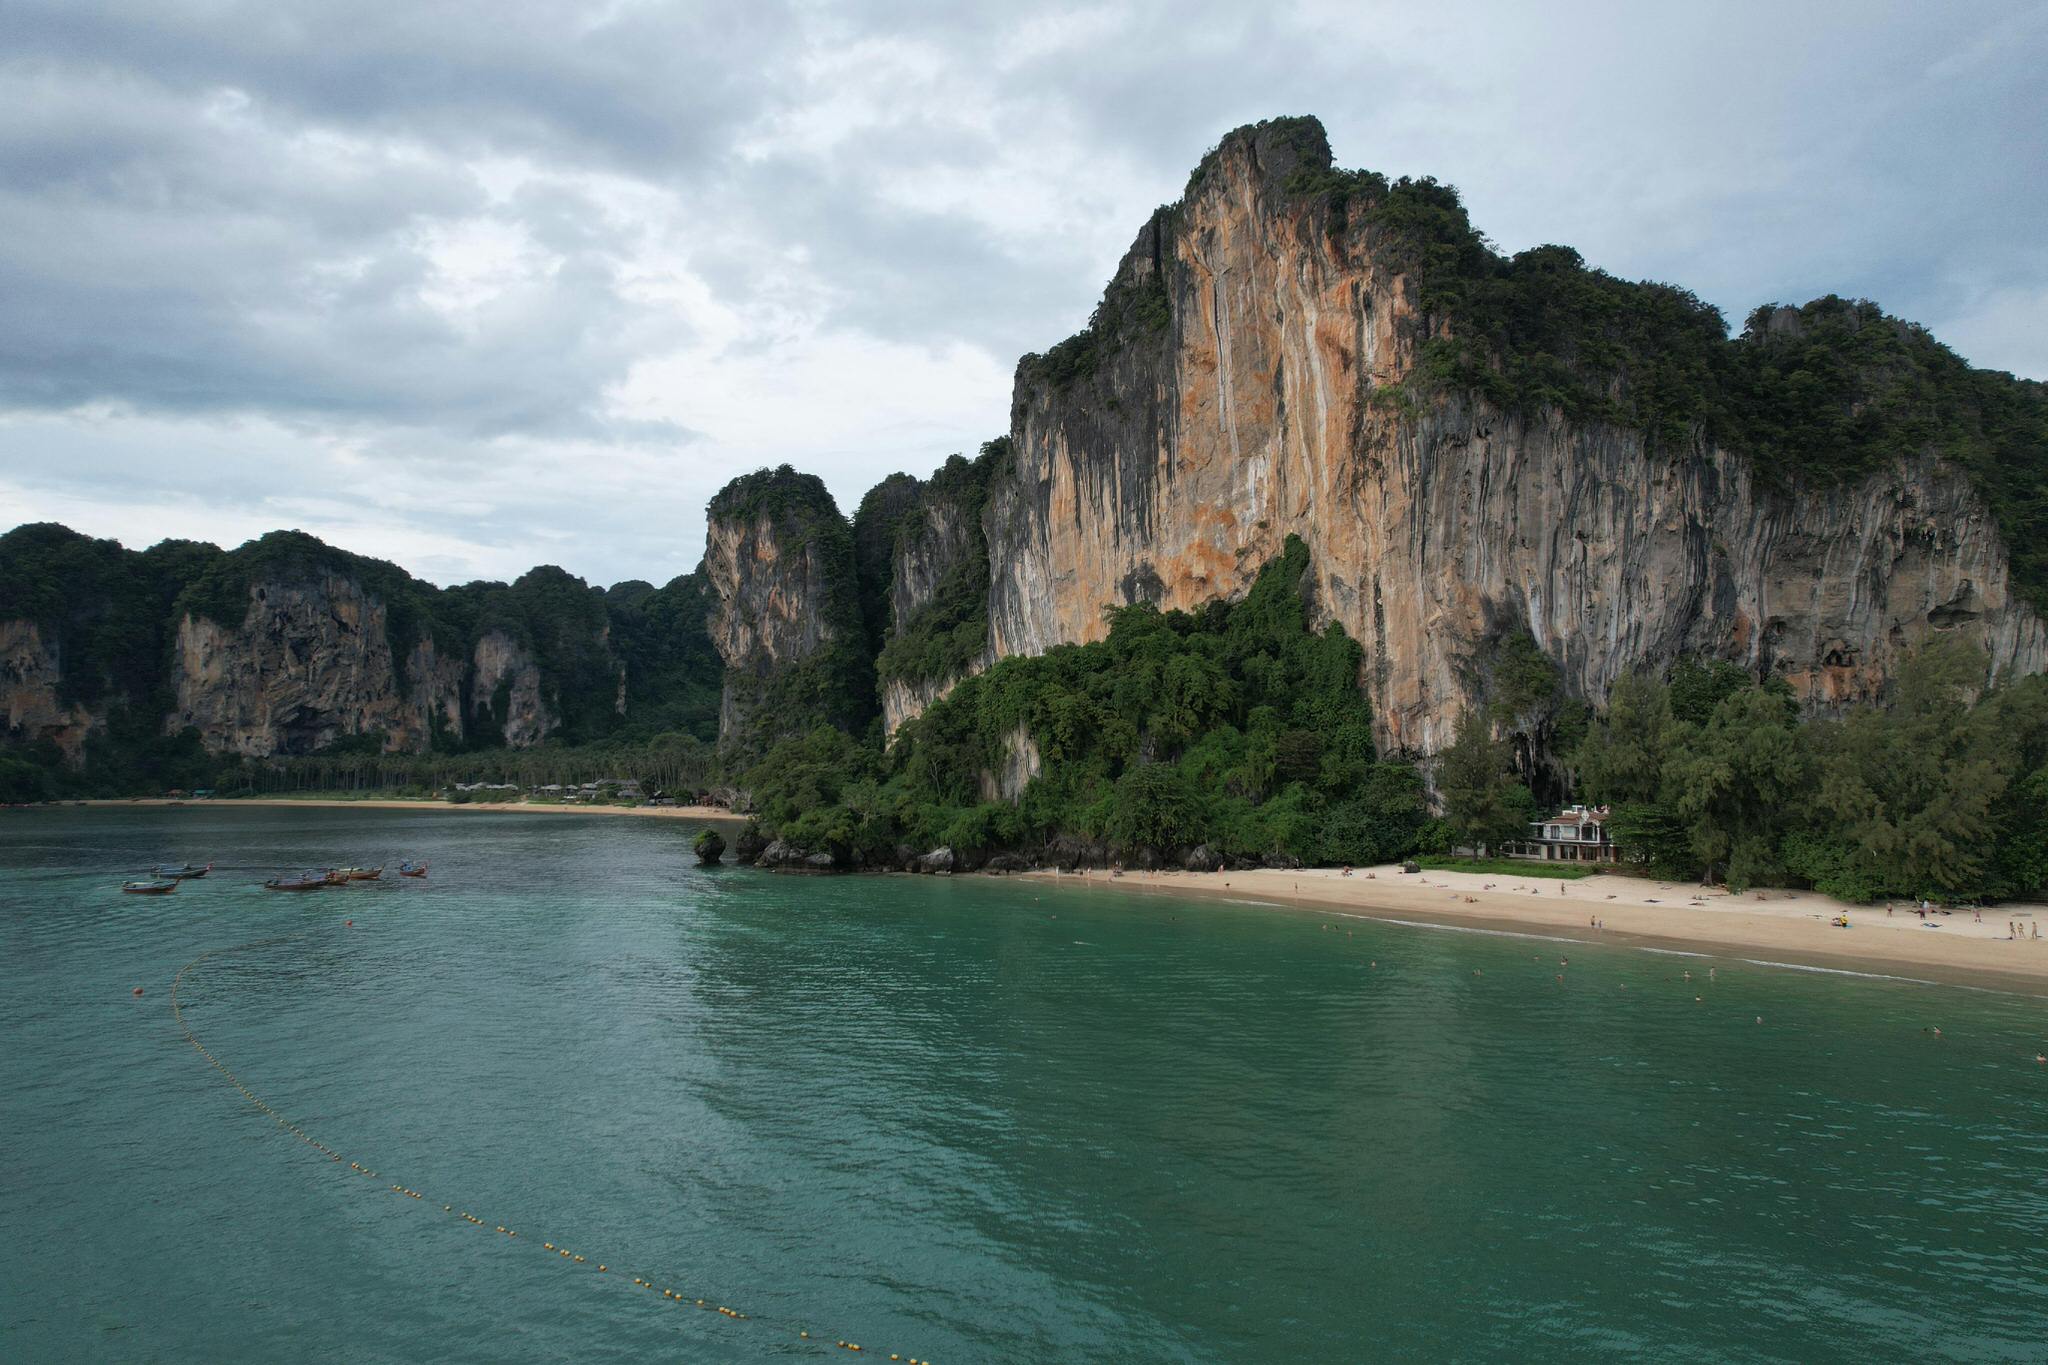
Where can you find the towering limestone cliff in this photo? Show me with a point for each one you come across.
(1473, 447)
(784, 612)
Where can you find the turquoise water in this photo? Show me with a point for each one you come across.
(958, 1120)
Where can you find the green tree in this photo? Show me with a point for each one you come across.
(1622, 759)
(1737, 782)
(1155, 809)
(1484, 804)
(1910, 791)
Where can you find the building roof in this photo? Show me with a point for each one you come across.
(1577, 815)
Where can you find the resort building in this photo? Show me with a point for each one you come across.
(1577, 835)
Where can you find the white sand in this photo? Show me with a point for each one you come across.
(1787, 926)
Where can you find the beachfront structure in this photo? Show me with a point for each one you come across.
(1577, 835)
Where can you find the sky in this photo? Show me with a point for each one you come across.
(479, 286)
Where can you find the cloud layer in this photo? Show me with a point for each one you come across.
(475, 286)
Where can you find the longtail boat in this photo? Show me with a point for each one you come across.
(360, 874)
(335, 876)
(162, 886)
(305, 881)
(182, 874)
(412, 869)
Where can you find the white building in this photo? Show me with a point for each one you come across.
(1577, 835)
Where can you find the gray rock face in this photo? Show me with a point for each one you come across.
(750, 845)
(1021, 761)
(506, 674)
(780, 853)
(785, 615)
(1070, 852)
(1203, 858)
(766, 597)
(1177, 468)
(310, 663)
(30, 676)
(940, 859)
(943, 538)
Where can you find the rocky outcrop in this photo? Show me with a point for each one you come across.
(1020, 762)
(750, 845)
(784, 612)
(310, 663)
(31, 678)
(505, 691)
(937, 591)
(434, 687)
(709, 847)
(941, 540)
(1236, 388)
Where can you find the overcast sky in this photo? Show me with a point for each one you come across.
(475, 286)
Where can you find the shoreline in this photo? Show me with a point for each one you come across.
(1773, 927)
(1788, 929)
(716, 813)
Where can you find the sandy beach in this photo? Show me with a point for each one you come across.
(699, 813)
(1781, 927)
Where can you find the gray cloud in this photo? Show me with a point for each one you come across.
(563, 270)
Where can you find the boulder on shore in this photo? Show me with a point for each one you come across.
(1202, 858)
(940, 859)
(751, 845)
(1006, 862)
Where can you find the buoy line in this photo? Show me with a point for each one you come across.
(556, 1252)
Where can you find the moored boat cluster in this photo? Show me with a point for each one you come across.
(164, 880)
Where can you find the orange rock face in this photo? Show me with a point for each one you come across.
(1177, 467)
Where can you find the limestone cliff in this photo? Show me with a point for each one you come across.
(938, 575)
(1257, 369)
(505, 691)
(784, 611)
(31, 677)
(309, 663)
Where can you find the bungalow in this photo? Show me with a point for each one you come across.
(1578, 835)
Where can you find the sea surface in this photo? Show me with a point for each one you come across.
(953, 1120)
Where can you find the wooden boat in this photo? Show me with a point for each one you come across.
(305, 881)
(335, 876)
(359, 874)
(182, 874)
(161, 886)
(412, 869)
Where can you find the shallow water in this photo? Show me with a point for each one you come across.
(956, 1120)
